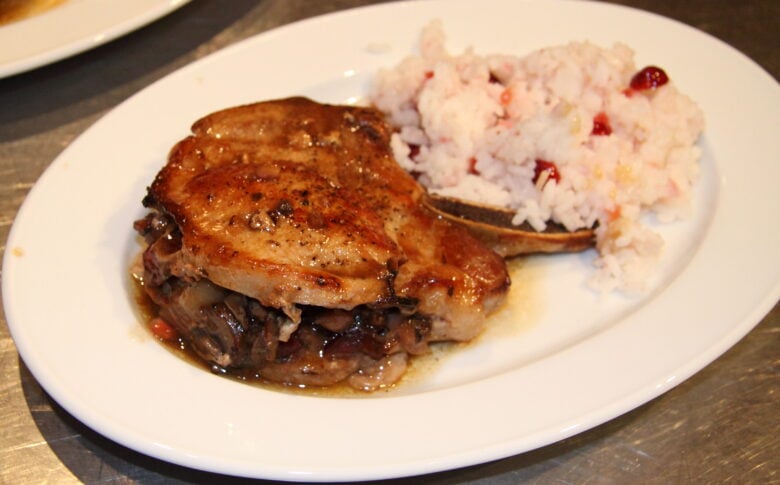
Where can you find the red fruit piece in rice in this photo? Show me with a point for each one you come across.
(550, 168)
(601, 126)
(473, 166)
(414, 150)
(651, 77)
(506, 96)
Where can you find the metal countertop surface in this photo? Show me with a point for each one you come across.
(719, 426)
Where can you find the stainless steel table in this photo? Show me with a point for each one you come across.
(720, 426)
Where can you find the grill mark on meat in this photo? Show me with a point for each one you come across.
(283, 238)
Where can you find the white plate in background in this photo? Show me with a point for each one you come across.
(73, 27)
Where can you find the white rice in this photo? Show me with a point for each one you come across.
(479, 138)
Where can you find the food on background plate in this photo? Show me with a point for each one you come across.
(284, 242)
(573, 135)
(15, 10)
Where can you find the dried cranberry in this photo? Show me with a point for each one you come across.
(473, 166)
(545, 166)
(651, 77)
(506, 96)
(414, 150)
(601, 126)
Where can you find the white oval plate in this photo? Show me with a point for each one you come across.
(557, 360)
(71, 28)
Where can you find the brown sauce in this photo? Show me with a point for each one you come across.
(14, 10)
(503, 323)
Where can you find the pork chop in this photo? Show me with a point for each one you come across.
(284, 238)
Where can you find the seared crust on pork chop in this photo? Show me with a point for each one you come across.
(297, 204)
